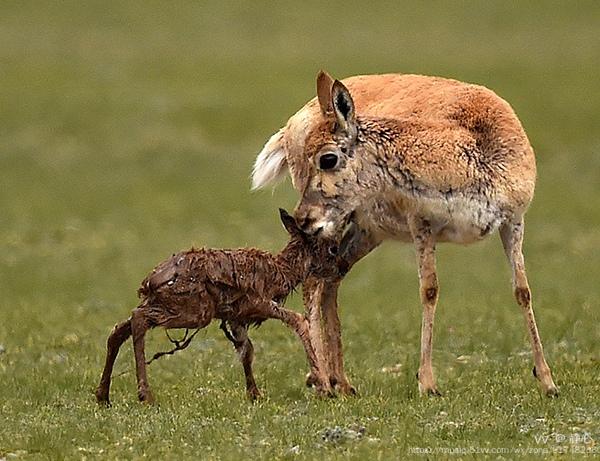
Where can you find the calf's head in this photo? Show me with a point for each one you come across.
(323, 256)
(336, 176)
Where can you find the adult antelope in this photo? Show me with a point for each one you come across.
(411, 158)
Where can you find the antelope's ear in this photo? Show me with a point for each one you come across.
(289, 222)
(343, 107)
(324, 85)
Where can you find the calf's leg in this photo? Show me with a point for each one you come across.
(245, 350)
(117, 337)
(139, 326)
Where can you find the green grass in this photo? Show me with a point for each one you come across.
(128, 131)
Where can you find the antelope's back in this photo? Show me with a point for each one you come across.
(445, 105)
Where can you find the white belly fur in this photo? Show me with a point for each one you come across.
(456, 219)
(460, 219)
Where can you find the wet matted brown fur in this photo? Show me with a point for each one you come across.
(240, 287)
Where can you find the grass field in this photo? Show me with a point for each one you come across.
(128, 131)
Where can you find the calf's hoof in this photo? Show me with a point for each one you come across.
(253, 394)
(324, 388)
(102, 397)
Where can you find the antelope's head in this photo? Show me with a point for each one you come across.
(336, 175)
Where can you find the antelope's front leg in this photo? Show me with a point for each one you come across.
(333, 338)
(311, 291)
(425, 248)
(320, 299)
(300, 325)
(325, 332)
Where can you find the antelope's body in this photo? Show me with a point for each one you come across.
(454, 151)
(411, 158)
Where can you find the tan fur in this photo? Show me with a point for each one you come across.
(421, 159)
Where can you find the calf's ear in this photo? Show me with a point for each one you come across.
(289, 223)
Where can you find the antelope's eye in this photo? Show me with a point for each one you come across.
(333, 250)
(328, 161)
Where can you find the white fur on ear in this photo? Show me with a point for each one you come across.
(270, 165)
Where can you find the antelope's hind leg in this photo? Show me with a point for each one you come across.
(512, 240)
(245, 350)
(429, 291)
(117, 337)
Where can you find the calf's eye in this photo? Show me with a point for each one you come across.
(328, 161)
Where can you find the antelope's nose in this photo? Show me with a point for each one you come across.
(311, 219)
(304, 220)
(308, 225)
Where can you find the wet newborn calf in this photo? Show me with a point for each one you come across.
(239, 287)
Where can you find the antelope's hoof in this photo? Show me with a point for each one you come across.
(550, 388)
(326, 393)
(552, 392)
(311, 380)
(346, 389)
(433, 392)
(429, 391)
(146, 397)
